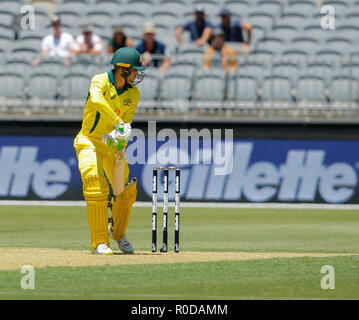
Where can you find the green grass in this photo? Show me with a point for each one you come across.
(297, 278)
(204, 229)
(201, 229)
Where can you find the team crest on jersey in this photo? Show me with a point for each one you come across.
(127, 102)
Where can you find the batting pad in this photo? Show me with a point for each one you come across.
(121, 209)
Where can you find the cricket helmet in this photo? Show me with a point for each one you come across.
(128, 58)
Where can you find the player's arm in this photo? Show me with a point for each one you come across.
(207, 32)
(178, 34)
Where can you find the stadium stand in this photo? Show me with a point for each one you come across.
(293, 64)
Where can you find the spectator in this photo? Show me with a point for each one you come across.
(200, 29)
(88, 42)
(119, 40)
(232, 28)
(219, 54)
(149, 46)
(58, 44)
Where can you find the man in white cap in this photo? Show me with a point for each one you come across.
(153, 51)
(58, 44)
(88, 42)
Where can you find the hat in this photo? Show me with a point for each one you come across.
(118, 29)
(55, 20)
(199, 9)
(217, 32)
(127, 57)
(149, 27)
(225, 12)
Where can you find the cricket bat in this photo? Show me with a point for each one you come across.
(119, 173)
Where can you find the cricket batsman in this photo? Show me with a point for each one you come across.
(100, 145)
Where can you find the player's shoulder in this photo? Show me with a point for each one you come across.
(135, 91)
(100, 77)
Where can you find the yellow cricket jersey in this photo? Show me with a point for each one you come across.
(106, 105)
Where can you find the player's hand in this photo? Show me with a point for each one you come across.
(126, 132)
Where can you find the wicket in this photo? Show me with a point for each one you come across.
(165, 207)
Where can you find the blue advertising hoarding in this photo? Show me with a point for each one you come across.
(253, 170)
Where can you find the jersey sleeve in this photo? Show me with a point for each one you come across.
(98, 88)
(128, 116)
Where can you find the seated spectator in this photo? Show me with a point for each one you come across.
(233, 28)
(199, 28)
(119, 40)
(219, 54)
(88, 42)
(149, 47)
(58, 44)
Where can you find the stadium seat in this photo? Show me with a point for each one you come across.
(261, 19)
(295, 55)
(310, 92)
(341, 7)
(210, 6)
(243, 90)
(11, 85)
(272, 7)
(192, 52)
(164, 17)
(305, 43)
(19, 66)
(149, 87)
(99, 13)
(305, 8)
(339, 43)
(284, 32)
(293, 19)
(75, 86)
(53, 65)
(135, 17)
(328, 54)
(343, 92)
(33, 35)
(253, 67)
(67, 16)
(240, 7)
(6, 34)
(273, 44)
(6, 17)
(288, 69)
(263, 55)
(42, 85)
(317, 66)
(276, 91)
(27, 50)
(209, 87)
(176, 87)
(11, 6)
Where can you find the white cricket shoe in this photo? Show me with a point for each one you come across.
(102, 248)
(124, 245)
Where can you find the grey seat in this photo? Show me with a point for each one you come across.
(43, 86)
(164, 17)
(253, 68)
(11, 6)
(317, 66)
(240, 7)
(176, 87)
(339, 43)
(19, 66)
(75, 86)
(284, 32)
(209, 85)
(273, 44)
(149, 87)
(343, 92)
(261, 19)
(243, 91)
(305, 43)
(210, 6)
(294, 19)
(273, 7)
(287, 69)
(295, 55)
(310, 92)
(328, 54)
(276, 91)
(11, 85)
(6, 17)
(263, 55)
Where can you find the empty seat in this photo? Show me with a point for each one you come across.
(294, 55)
(176, 87)
(307, 44)
(241, 7)
(6, 17)
(9, 81)
(42, 85)
(287, 69)
(243, 90)
(261, 19)
(209, 85)
(310, 91)
(277, 90)
(149, 87)
(75, 86)
(273, 44)
(253, 68)
(164, 17)
(339, 43)
(19, 66)
(273, 7)
(263, 55)
(284, 32)
(328, 54)
(319, 67)
(343, 92)
(294, 19)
